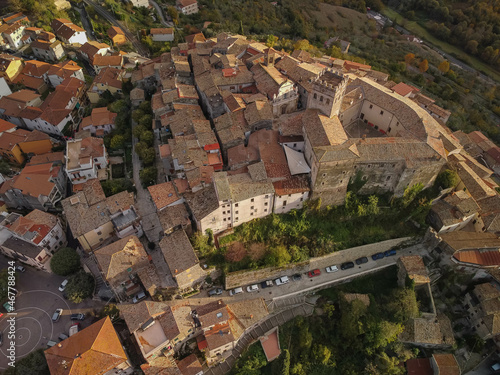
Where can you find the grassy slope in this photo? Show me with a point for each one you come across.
(422, 32)
(342, 19)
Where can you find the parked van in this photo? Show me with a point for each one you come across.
(235, 291)
(51, 343)
(495, 366)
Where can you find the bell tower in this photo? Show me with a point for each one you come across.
(327, 93)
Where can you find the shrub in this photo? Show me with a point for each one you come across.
(80, 287)
(65, 262)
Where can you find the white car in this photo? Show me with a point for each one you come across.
(332, 269)
(63, 285)
(252, 288)
(282, 280)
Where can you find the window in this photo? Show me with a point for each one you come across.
(224, 219)
(381, 112)
(236, 212)
(223, 212)
(284, 203)
(327, 101)
(251, 213)
(236, 219)
(267, 196)
(388, 178)
(252, 207)
(99, 233)
(302, 199)
(371, 106)
(252, 200)
(315, 96)
(265, 210)
(265, 204)
(236, 205)
(362, 116)
(324, 174)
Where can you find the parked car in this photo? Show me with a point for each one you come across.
(62, 337)
(20, 269)
(57, 315)
(78, 316)
(139, 297)
(378, 256)
(74, 329)
(266, 284)
(362, 260)
(346, 265)
(314, 273)
(332, 269)
(297, 277)
(235, 291)
(282, 280)
(390, 252)
(215, 292)
(51, 343)
(252, 288)
(62, 287)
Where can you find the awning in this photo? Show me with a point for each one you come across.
(296, 161)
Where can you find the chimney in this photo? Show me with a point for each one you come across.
(59, 345)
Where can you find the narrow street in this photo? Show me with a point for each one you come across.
(150, 221)
(85, 22)
(160, 14)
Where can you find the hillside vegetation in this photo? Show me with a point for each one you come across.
(473, 25)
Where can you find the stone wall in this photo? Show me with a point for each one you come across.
(240, 278)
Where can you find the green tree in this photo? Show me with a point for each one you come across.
(117, 141)
(4, 284)
(137, 115)
(447, 179)
(402, 305)
(80, 287)
(110, 310)
(33, 363)
(278, 256)
(321, 354)
(146, 121)
(145, 107)
(148, 156)
(148, 176)
(271, 41)
(65, 262)
(147, 137)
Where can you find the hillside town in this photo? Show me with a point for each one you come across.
(240, 132)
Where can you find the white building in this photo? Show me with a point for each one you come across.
(13, 35)
(84, 158)
(38, 227)
(140, 3)
(187, 7)
(68, 32)
(162, 35)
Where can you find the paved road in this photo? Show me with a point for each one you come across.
(87, 25)
(307, 284)
(37, 300)
(160, 13)
(104, 13)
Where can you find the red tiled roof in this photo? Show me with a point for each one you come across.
(403, 89)
(419, 366)
(5, 125)
(480, 257)
(271, 346)
(494, 152)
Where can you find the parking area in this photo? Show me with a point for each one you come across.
(37, 299)
(307, 283)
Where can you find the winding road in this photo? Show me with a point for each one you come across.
(163, 21)
(108, 16)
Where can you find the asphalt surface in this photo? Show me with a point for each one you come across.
(163, 21)
(37, 299)
(140, 49)
(87, 25)
(309, 284)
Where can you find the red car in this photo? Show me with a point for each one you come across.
(315, 272)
